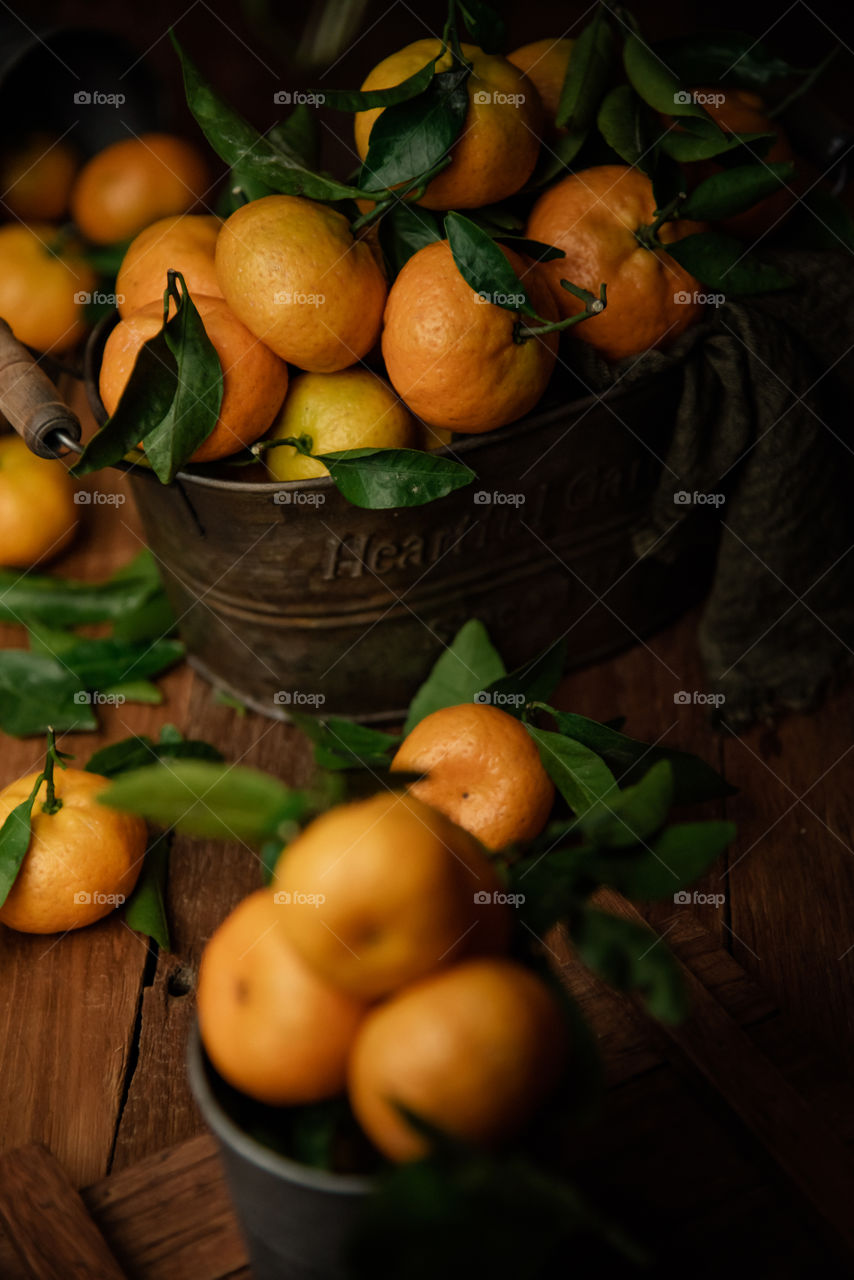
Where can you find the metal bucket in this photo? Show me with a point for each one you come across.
(296, 1220)
(289, 597)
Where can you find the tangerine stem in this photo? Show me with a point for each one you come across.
(593, 306)
(648, 235)
(52, 804)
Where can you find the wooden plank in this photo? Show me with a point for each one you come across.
(47, 1221)
(68, 1004)
(642, 685)
(169, 1217)
(207, 878)
(791, 881)
(807, 1150)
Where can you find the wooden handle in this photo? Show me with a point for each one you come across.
(28, 399)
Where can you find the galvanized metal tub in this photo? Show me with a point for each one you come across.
(289, 597)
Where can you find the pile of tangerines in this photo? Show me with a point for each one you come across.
(378, 961)
(314, 335)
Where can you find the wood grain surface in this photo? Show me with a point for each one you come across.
(93, 1024)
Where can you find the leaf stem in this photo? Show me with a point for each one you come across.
(593, 306)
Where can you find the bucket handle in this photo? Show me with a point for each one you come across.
(30, 402)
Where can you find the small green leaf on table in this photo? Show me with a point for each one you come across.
(205, 798)
(145, 909)
(140, 751)
(342, 744)
(468, 666)
(676, 857)
(581, 777)
(632, 958)
(693, 779)
(632, 815)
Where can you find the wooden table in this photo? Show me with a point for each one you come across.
(93, 1024)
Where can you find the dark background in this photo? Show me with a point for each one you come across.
(251, 50)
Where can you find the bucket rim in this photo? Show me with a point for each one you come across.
(236, 1139)
(473, 444)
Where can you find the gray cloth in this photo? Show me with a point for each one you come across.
(764, 419)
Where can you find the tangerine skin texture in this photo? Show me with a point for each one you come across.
(291, 271)
(38, 514)
(452, 357)
(184, 244)
(133, 182)
(483, 770)
(399, 883)
(593, 217)
(83, 848)
(254, 379)
(474, 1049)
(497, 149)
(545, 63)
(270, 1026)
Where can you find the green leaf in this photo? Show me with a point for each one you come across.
(468, 666)
(632, 958)
(203, 798)
(531, 248)
(368, 99)
(342, 744)
(379, 479)
(555, 159)
(634, 814)
(145, 910)
(36, 692)
(702, 140)
(139, 691)
(15, 836)
(676, 857)
(587, 77)
(145, 402)
(532, 682)
(271, 851)
(624, 123)
(139, 751)
(298, 135)
(721, 262)
(195, 406)
(485, 27)
(722, 57)
(693, 779)
(733, 190)
(238, 144)
(581, 777)
(405, 229)
(655, 82)
(484, 267)
(28, 598)
(410, 139)
(101, 664)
